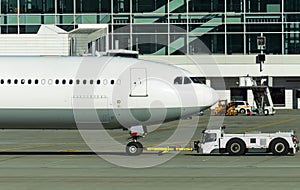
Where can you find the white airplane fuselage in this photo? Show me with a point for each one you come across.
(58, 92)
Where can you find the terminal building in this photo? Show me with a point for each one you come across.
(222, 33)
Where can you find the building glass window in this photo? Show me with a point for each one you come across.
(105, 6)
(121, 41)
(199, 23)
(206, 6)
(291, 5)
(278, 96)
(121, 6)
(33, 6)
(155, 6)
(235, 43)
(9, 6)
(28, 6)
(273, 44)
(122, 28)
(235, 6)
(151, 43)
(65, 6)
(29, 29)
(175, 47)
(263, 6)
(9, 29)
(178, 6)
(207, 43)
(292, 43)
(93, 6)
(150, 28)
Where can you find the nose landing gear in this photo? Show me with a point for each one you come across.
(135, 148)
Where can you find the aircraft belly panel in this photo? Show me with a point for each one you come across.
(64, 118)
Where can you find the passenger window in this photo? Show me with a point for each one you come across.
(84, 81)
(77, 81)
(23, 81)
(98, 81)
(91, 82)
(178, 80)
(119, 81)
(2, 81)
(50, 81)
(36, 81)
(187, 80)
(105, 82)
(112, 82)
(8, 81)
(29, 81)
(70, 81)
(43, 81)
(16, 81)
(64, 81)
(56, 81)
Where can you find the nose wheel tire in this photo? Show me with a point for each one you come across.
(134, 148)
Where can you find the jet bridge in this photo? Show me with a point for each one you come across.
(50, 40)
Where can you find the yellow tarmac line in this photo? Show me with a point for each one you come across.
(267, 125)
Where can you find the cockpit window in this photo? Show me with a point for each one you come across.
(178, 80)
(196, 80)
(182, 80)
(187, 80)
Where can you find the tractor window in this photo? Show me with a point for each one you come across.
(178, 80)
(209, 137)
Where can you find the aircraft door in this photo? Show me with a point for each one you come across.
(138, 82)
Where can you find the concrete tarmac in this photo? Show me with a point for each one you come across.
(60, 159)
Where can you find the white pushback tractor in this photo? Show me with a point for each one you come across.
(217, 141)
